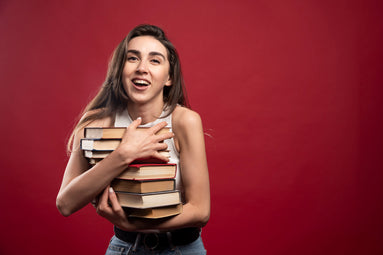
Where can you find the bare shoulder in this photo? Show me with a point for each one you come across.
(188, 130)
(185, 119)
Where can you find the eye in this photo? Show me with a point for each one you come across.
(132, 58)
(155, 61)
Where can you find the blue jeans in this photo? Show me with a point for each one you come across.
(119, 247)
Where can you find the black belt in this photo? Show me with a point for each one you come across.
(157, 241)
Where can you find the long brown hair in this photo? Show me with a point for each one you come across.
(112, 96)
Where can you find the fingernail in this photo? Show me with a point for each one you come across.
(139, 118)
(111, 190)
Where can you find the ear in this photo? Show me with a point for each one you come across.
(169, 82)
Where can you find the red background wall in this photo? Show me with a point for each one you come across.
(290, 93)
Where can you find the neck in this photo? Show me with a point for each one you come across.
(147, 112)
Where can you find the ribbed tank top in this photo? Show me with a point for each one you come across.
(123, 120)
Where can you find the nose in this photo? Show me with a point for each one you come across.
(142, 67)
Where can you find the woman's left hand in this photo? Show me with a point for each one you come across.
(109, 208)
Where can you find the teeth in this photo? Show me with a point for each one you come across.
(142, 82)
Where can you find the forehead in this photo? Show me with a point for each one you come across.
(146, 44)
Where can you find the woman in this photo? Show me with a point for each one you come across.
(144, 83)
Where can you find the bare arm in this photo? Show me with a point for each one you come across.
(80, 185)
(194, 169)
(187, 127)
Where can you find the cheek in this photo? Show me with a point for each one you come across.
(160, 76)
(165, 78)
(164, 75)
(125, 82)
(125, 74)
(128, 69)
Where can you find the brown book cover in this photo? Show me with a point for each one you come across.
(149, 172)
(96, 156)
(113, 132)
(148, 200)
(155, 213)
(99, 144)
(143, 186)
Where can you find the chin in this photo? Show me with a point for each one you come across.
(139, 100)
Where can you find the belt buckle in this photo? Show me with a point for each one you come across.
(151, 240)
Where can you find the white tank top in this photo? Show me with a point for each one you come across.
(123, 120)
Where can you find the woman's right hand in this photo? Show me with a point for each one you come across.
(143, 144)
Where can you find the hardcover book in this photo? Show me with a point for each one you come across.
(155, 213)
(149, 172)
(148, 200)
(99, 144)
(96, 156)
(113, 132)
(143, 186)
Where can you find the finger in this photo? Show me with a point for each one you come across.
(158, 127)
(132, 126)
(161, 157)
(114, 200)
(104, 196)
(116, 204)
(160, 146)
(165, 136)
(135, 123)
(103, 202)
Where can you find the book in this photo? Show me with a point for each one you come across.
(96, 156)
(155, 213)
(148, 200)
(99, 144)
(113, 132)
(147, 186)
(149, 172)
(143, 186)
(93, 161)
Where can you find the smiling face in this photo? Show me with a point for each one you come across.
(146, 71)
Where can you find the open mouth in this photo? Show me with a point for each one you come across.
(140, 82)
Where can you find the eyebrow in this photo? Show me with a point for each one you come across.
(152, 53)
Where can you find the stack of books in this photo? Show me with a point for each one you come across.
(146, 189)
